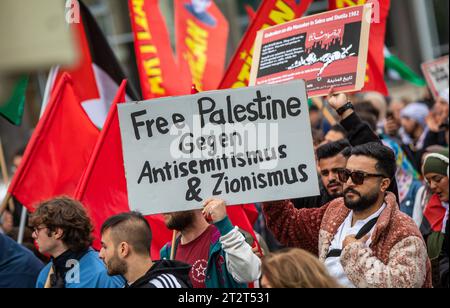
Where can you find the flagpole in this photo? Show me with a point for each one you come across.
(5, 180)
(23, 219)
(4, 203)
(319, 104)
(172, 250)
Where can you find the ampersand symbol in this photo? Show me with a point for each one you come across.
(192, 192)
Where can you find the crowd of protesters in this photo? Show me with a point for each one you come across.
(381, 219)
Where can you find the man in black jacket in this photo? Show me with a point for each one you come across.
(358, 132)
(126, 242)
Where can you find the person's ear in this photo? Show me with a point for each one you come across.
(124, 249)
(385, 183)
(58, 233)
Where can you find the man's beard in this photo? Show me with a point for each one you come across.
(180, 221)
(363, 203)
(116, 266)
(334, 195)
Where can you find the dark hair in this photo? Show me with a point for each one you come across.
(385, 157)
(317, 135)
(369, 119)
(338, 128)
(20, 151)
(333, 149)
(314, 108)
(70, 216)
(367, 106)
(132, 228)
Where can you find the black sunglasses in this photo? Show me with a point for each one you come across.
(357, 176)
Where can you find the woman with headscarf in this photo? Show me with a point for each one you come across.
(435, 169)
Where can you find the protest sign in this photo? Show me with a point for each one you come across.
(328, 49)
(243, 145)
(436, 74)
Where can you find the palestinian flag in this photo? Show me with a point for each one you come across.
(97, 73)
(398, 70)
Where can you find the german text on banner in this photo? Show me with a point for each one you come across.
(202, 34)
(242, 145)
(270, 13)
(375, 60)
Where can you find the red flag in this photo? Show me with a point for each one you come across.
(103, 187)
(202, 34)
(158, 70)
(250, 12)
(375, 58)
(59, 149)
(270, 13)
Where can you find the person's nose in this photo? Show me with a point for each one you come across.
(101, 254)
(332, 177)
(433, 185)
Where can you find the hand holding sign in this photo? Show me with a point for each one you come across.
(214, 210)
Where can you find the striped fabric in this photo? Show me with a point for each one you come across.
(165, 281)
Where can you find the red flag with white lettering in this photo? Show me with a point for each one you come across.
(270, 13)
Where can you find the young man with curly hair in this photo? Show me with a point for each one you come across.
(62, 230)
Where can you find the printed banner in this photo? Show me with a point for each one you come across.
(270, 13)
(325, 50)
(375, 60)
(436, 74)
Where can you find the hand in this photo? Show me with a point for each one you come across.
(432, 122)
(350, 239)
(257, 252)
(336, 100)
(214, 210)
(391, 127)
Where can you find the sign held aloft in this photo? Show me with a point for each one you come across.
(244, 145)
(436, 74)
(326, 50)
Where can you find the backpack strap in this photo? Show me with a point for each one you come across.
(361, 233)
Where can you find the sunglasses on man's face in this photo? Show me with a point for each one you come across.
(357, 177)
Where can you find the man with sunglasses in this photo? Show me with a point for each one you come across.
(363, 238)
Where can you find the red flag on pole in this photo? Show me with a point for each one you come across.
(202, 34)
(375, 58)
(270, 13)
(158, 70)
(103, 188)
(59, 150)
